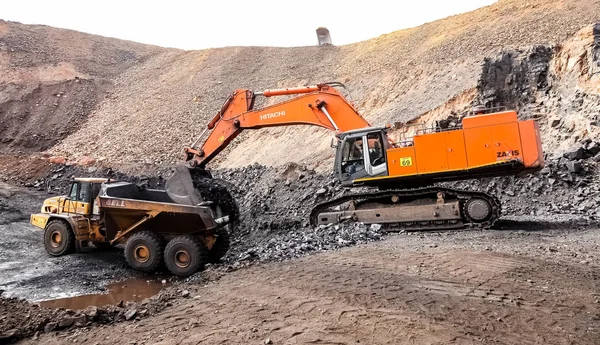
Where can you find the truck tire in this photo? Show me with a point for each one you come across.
(185, 255)
(59, 238)
(220, 247)
(144, 251)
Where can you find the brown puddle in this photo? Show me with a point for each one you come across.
(135, 289)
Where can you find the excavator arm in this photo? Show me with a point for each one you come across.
(320, 105)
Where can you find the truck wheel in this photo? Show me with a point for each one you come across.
(144, 251)
(220, 247)
(58, 238)
(185, 255)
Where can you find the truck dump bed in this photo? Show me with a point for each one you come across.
(127, 207)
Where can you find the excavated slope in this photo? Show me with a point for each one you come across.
(52, 79)
(159, 103)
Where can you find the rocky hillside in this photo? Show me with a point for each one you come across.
(52, 79)
(142, 104)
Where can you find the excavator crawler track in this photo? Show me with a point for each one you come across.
(430, 208)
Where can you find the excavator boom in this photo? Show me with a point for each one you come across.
(320, 105)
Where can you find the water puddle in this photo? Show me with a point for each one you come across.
(134, 289)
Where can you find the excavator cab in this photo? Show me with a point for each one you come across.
(361, 154)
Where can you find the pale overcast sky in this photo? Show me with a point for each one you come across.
(211, 24)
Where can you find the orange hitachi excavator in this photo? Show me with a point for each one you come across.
(404, 172)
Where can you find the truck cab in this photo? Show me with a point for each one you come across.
(78, 211)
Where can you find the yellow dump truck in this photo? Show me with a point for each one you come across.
(151, 225)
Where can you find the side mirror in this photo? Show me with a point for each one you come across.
(333, 143)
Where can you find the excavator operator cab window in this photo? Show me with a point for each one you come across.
(353, 156)
(376, 156)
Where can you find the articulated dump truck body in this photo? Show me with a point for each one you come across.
(127, 207)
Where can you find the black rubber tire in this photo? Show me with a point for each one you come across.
(59, 239)
(142, 241)
(220, 247)
(194, 251)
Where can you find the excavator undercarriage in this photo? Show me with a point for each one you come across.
(429, 208)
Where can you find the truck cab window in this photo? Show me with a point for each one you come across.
(73, 193)
(84, 192)
(96, 190)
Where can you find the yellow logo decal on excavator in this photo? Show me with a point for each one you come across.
(222, 139)
(405, 161)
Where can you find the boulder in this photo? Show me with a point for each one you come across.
(320, 191)
(554, 122)
(592, 148)
(91, 312)
(130, 314)
(80, 320)
(66, 321)
(375, 227)
(8, 335)
(574, 153)
(86, 161)
(574, 167)
(57, 160)
(50, 326)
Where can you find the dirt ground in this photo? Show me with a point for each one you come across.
(515, 286)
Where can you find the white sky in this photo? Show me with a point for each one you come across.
(217, 23)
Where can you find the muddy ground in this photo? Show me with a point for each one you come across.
(27, 271)
(516, 286)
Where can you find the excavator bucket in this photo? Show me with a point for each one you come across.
(323, 37)
(180, 187)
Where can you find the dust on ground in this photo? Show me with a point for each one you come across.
(493, 287)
